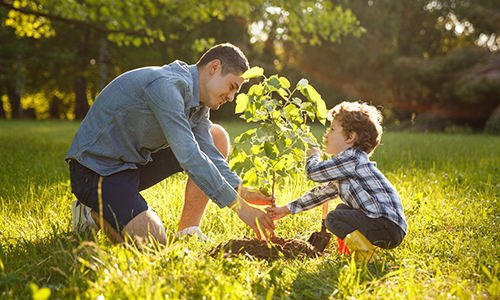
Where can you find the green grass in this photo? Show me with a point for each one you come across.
(450, 186)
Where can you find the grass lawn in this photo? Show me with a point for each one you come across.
(450, 186)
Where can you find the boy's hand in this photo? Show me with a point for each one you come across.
(277, 212)
(254, 217)
(314, 150)
(256, 197)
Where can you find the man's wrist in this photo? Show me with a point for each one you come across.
(236, 204)
(242, 192)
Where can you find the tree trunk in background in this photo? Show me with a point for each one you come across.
(15, 103)
(103, 62)
(80, 84)
(15, 88)
(2, 111)
(493, 124)
(3, 114)
(81, 104)
(55, 108)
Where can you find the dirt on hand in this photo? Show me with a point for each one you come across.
(278, 247)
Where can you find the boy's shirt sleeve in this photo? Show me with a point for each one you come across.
(315, 197)
(336, 168)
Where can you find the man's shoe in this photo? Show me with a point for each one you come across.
(82, 218)
(193, 231)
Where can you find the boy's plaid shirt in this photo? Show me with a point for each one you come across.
(357, 181)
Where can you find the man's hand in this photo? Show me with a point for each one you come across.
(256, 197)
(314, 150)
(277, 212)
(253, 217)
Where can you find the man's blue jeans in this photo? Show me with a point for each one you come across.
(121, 200)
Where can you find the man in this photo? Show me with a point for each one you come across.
(148, 124)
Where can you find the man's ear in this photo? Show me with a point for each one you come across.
(352, 137)
(214, 66)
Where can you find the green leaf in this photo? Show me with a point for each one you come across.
(302, 84)
(283, 93)
(293, 112)
(260, 164)
(104, 11)
(287, 138)
(308, 107)
(245, 136)
(321, 111)
(319, 104)
(256, 149)
(256, 89)
(237, 160)
(297, 101)
(283, 164)
(273, 83)
(311, 93)
(253, 72)
(267, 191)
(271, 150)
(250, 177)
(241, 103)
(310, 140)
(137, 42)
(285, 83)
(299, 153)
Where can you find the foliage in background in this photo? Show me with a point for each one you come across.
(276, 149)
(438, 58)
(165, 30)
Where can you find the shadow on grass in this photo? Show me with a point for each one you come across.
(55, 261)
(339, 277)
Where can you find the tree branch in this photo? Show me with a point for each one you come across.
(139, 33)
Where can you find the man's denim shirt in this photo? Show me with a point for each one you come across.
(148, 109)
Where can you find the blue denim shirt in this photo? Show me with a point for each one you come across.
(148, 109)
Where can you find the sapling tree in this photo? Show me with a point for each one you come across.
(276, 149)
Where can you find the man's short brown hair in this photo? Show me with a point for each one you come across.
(232, 59)
(362, 118)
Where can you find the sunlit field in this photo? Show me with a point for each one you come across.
(450, 186)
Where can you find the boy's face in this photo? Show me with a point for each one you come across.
(335, 140)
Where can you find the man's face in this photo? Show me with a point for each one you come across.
(220, 89)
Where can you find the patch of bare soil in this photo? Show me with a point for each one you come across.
(278, 247)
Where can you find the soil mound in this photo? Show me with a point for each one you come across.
(279, 247)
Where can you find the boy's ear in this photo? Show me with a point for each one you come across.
(352, 137)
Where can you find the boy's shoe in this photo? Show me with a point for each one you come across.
(82, 219)
(193, 231)
(362, 248)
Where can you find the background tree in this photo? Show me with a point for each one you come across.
(169, 25)
(417, 57)
(433, 59)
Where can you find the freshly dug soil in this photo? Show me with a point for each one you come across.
(289, 248)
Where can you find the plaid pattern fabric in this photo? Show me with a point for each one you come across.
(357, 181)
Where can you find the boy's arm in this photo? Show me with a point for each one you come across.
(335, 168)
(315, 197)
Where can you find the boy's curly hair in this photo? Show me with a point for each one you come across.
(364, 119)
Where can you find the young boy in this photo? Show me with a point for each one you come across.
(371, 212)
